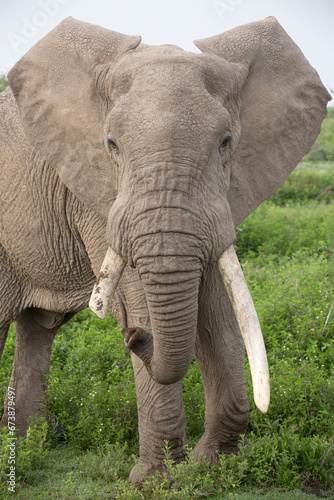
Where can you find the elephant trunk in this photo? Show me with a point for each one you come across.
(172, 300)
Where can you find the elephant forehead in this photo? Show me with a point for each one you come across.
(168, 96)
(170, 69)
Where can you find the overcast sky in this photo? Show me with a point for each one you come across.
(308, 22)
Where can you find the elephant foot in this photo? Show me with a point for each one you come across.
(142, 471)
(211, 448)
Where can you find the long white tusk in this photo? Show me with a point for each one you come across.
(245, 312)
(107, 281)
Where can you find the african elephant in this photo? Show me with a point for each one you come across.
(133, 165)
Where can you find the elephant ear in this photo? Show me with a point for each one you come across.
(283, 103)
(61, 109)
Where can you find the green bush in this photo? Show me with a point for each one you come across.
(29, 454)
(294, 302)
(194, 404)
(91, 391)
(330, 112)
(109, 462)
(323, 148)
(3, 82)
(305, 184)
(283, 231)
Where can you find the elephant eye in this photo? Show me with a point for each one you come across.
(112, 146)
(227, 140)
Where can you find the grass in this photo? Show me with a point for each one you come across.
(69, 475)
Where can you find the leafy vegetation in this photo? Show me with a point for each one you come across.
(323, 148)
(96, 370)
(29, 454)
(3, 82)
(306, 184)
(286, 248)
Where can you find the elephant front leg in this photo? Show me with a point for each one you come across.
(161, 418)
(220, 355)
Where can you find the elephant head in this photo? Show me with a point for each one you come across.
(173, 150)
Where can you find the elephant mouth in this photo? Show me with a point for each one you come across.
(241, 300)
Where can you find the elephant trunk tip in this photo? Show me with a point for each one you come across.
(140, 342)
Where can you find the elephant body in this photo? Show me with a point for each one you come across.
(133, 165)
(47, 248)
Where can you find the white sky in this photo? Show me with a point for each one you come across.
(308, 22)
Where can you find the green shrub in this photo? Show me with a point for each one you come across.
(3, 82)
(305, 184)
(283, 231)
(294, 302)
(286, 459)
(323, 148)
(330, 112)
(283, 460)
(91, 389)
(301, 402)
(29, 454)
(109, 462)
(193, 400)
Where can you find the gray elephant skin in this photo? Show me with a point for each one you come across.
(125, 169)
